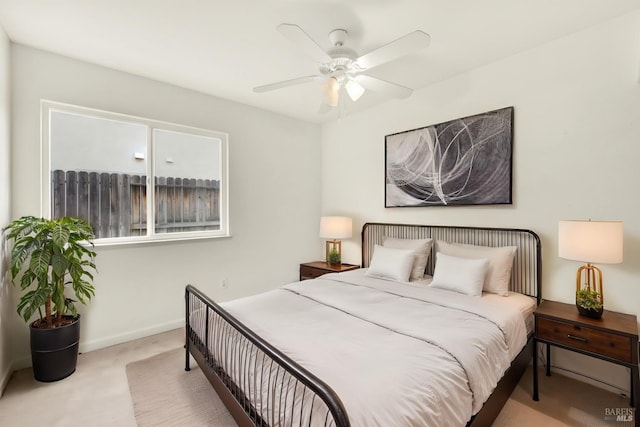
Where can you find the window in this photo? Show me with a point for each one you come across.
(121, 173)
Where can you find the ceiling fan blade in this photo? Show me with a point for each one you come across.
(405, 45)
(378, 85)
(297, 35)
(285, 83)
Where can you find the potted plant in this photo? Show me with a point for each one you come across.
(334, 258)
(589, 303)
(47, 255)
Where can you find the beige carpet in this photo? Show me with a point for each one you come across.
(563, 402)
(164, 394)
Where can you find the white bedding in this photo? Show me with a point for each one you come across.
(396, 354)
(525, 304)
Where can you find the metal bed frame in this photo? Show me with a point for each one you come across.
(256, 381)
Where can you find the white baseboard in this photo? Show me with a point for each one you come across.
(97, 344)
(23, 362)
(595, 372)
(588, 380)
(129, 336)
(4, 379)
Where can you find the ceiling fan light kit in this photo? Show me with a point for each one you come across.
(332, 91)
(354, 89)
(341, 67)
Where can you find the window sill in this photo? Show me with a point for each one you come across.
(119, 241)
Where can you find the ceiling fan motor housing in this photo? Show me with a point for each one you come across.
(343, 58)
(338, 37)
(339, 67)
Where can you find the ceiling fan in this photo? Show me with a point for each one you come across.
(343, 70)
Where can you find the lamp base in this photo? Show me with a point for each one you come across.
(590, 277)
(590, 294)
(590, 312)
(333, 252)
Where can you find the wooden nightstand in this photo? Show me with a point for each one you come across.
(311, 270)
(613, 338)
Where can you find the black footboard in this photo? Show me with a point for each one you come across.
(260, 385)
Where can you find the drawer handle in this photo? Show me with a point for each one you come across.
(573, 337)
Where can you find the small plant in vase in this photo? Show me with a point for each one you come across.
(333, 258)
(589, 303)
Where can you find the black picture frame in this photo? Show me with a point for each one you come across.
(466, 161)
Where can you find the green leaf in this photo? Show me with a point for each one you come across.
(31, 301)
(18, 256)
(39, 263)
(69, 307)
(60, 235)
(84, 290)
(27, 279)
(59, 263)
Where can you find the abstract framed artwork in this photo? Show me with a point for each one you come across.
(464, 161)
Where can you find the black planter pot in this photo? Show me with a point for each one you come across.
(594, 314)
(54, 352)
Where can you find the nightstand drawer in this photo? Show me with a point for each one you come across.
(307, 272)
(311, 270)
(606, 344)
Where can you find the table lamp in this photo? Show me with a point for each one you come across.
(335, 228)
(591, 242)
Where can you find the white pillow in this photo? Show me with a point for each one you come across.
(500, 263)
(390, 263)
(463, 275)
(421, 249)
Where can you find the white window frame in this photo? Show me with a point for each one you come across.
(48, 106)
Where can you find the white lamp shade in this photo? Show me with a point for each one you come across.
(335, 227)
(591, 241)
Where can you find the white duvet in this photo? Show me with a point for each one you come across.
(396, 354)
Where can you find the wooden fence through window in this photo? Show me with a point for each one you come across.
(116, 204)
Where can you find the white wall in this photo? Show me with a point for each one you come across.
(274, 197)
(576, 155)
(6, 309)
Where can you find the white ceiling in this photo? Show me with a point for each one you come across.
(225, 48)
